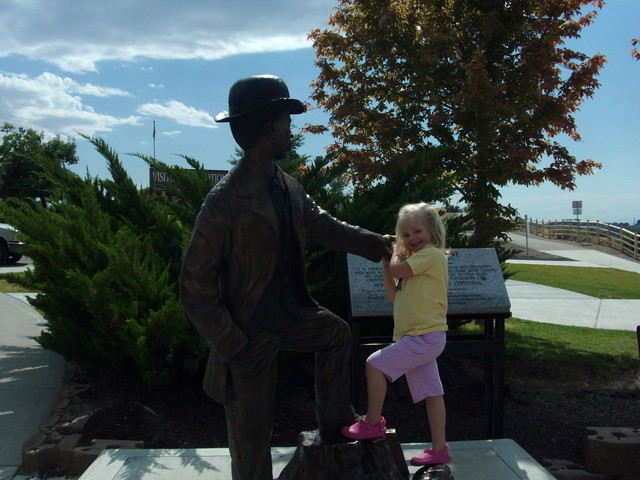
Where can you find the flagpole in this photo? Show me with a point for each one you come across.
(154, 139)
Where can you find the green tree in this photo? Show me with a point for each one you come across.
(485, 87)
(23, 157)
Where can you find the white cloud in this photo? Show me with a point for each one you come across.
(179, 112)
(173, 133)
(76, 35)
(55, 103)
(48, 81)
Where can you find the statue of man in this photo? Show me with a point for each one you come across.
(243, 285)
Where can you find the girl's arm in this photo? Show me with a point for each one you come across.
(389, 281)
(398, 267)
(392, 269)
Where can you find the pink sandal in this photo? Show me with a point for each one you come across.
(429, 457)
(362, 430)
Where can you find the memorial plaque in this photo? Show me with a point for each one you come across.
(366, 288)
(476, 285)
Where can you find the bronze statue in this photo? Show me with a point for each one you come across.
(243, 286)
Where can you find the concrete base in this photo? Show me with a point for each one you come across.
(7, 473)
(500, 459)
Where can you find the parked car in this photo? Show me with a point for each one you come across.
(10, 244)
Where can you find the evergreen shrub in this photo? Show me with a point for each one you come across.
(107, 258)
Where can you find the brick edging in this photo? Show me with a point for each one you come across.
(55, 446)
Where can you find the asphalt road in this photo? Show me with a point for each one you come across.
(23, 264)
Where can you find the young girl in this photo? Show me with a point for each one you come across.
(419, 263)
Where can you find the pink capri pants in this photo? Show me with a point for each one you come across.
(415, 357)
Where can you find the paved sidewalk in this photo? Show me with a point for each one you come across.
(29, 380)
(578, 255)
(540, 303)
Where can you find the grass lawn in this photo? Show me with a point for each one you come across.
(592, 281)
(10, 283)
(572, 345)
(560, 352)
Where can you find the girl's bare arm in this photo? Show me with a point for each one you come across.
(398, 267)
(394, 268)
(389, 281)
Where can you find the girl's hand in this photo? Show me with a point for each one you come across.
(397, 255)
(389, 246)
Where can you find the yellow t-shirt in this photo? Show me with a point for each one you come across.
(421, 300)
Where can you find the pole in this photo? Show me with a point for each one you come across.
(526, 234)
(154, 139)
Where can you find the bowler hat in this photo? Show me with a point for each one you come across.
(256, 94)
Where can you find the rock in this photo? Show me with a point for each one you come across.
(433, 472)
(375, 459)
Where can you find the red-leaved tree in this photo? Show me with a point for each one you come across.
(483, 88)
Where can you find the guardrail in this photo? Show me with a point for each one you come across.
(597, 232)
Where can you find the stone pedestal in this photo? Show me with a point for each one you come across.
(613, 451)
(375, 459)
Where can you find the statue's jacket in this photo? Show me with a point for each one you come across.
(231, 258)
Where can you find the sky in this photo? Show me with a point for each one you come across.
(110, 69)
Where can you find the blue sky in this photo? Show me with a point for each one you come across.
(109, 69)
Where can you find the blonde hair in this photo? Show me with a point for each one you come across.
(432, 222)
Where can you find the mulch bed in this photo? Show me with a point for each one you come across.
(547, 420)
